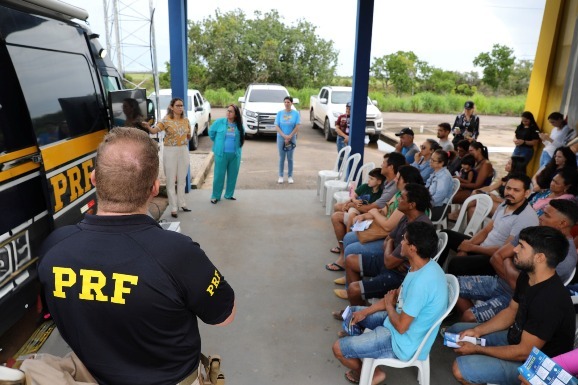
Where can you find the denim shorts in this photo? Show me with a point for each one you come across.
(480, 369)
(492, 295)
(375, 343)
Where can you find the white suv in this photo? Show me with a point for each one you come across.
(260, 106)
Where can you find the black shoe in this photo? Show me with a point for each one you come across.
(174, 215)
(214, 201)
(186, 209)
(231, 198)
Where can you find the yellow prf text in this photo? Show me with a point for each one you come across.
(92, 282)
(215, 281)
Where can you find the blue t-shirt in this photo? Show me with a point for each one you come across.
(424, 296)
(287, 121)
(230, 138)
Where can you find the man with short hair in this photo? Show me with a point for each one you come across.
(342, 127)
(401, 320)
(493, 293)
(444, 130)
(510, 217)
(124, 293)
(539, 315)
(372, 275)
(406, 146)
(391, 163)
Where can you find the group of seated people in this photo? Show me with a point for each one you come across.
(511, 273)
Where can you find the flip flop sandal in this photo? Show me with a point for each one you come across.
(336, 250)
(334, 267)
(350, 377)
(214, 368)
(339, 281)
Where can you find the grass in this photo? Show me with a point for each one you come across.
(425, 102)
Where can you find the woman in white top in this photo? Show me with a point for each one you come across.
(560, 135)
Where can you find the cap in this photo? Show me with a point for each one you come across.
(469, 105)
(348, 104)
(404, 131)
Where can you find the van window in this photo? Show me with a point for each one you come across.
(59, 91)
(15, 128)
(110, 83)
(267, 96)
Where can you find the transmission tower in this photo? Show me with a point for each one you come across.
(130, 37)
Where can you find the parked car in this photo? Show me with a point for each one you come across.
(198, 112)
(326, 107)
(260, 106)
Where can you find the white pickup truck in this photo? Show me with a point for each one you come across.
(198, 112)
(326, 107)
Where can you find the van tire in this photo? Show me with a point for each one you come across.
(373, 138)
(206, 131)
(194, 142)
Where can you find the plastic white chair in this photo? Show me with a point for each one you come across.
(423, 372)
(331, 186)
(484, 205)
(567, 282)
(325, 175)
(442, 243)
(442, 222)
(363, 174)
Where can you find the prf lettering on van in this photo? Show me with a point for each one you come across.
(71, 184)
(92, 282)
(215, 281)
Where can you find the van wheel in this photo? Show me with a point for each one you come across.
(194, 142)
(312, 119)
(327, 132)
(206, 131)
(373, 138)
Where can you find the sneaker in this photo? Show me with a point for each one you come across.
(290, 180)
(280, 180)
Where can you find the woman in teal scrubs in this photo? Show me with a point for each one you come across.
(228, 137)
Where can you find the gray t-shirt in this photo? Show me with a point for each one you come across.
(446, 145)
(506, 225)
(389, 190)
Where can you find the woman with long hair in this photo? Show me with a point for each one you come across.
(484, 171)
(439, 183)
(526, 136)
(560, 135)
(466, 125)
(287, 124)
(563, 158)
(563, 186)
(228, 136)
(175, 153)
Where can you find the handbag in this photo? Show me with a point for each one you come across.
(372, 233)
(289, 146)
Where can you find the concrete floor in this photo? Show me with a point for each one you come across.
(271, 246)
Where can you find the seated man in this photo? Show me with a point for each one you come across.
(406, 146)
(493, 293)
(389, 167)
(540, 314)
(401, 320)
(510, 217)
(125, 294)
(382, 272)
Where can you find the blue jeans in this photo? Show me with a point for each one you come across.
(493, 295)
(373, 344)
(524, 151)
(285, 154)
(340, 144)
(351, 245)
(480, 369)
(544, 158)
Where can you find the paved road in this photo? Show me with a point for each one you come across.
(313, 153)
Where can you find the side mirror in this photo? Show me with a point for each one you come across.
(374, 102)
(241, 99)
(295, 100)
(199, 108)
(323, 100)
(151, 111)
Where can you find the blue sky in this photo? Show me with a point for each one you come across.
(447, 34)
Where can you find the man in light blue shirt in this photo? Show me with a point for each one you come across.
(406, 146)
(401, 320)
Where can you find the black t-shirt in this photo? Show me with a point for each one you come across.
(527, 133)
(544, 310)
(125, 295)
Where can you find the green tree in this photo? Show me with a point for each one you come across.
(440, 81)
(400, 69)
(519, 79)
(497, 65)
(228, 50)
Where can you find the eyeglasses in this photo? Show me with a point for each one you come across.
(231, 111)
(179, 105)
(434, 160)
